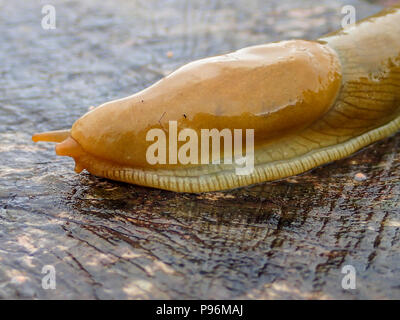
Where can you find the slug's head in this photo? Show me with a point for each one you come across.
(66, 146)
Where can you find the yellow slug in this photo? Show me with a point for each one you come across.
(308, 102)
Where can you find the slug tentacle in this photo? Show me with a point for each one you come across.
(308, 102)
(52, 136)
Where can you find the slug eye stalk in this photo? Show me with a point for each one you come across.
(52, 136)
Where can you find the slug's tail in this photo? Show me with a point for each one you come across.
(52, 136)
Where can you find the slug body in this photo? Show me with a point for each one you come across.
(308, 102)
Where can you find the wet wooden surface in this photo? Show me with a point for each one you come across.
(285, 239)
